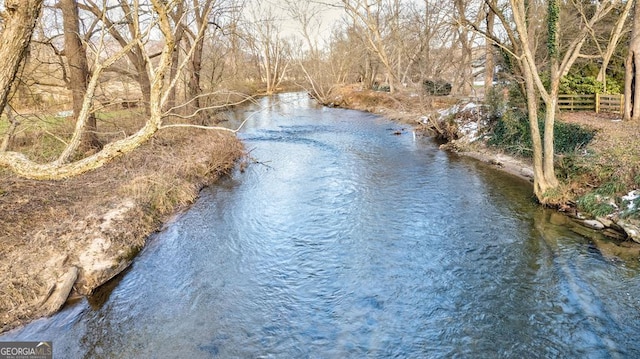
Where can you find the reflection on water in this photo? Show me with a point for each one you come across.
(346, 241)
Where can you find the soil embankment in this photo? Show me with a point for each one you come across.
(69, 237)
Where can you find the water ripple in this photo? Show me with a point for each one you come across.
(345, 241)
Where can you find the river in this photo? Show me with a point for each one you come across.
(343, 239)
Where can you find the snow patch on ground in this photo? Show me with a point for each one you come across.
(630, 199)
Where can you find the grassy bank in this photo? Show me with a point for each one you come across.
(94, 224)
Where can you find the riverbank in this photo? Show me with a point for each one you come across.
(411, 110)
(612, 155)
(61, 238)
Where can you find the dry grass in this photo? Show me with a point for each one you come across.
(46, 225)
(404, 105)
(613, 156)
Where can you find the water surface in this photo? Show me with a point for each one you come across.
(343, 240)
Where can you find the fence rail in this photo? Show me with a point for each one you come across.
(596, 102)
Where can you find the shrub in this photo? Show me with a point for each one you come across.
(569, 137)
(381, 88)
(511, 133)
(587, 85)
(437, 87)
(611, 188)
(595, 205)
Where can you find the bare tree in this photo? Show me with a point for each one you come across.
(489, 63)
(612, 41)
(632, 70)
(369, 15)
(463, 79)
(522, 45)
(123, 30)
(436, 34)
(18, 20)
(158, 73)
(177, 16)
(270, 48)
(319, 77)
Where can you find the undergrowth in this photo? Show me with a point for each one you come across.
(511, 133)
(594, 176)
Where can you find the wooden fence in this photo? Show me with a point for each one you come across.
(597, 103)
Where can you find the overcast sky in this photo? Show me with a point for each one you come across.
(328, 15)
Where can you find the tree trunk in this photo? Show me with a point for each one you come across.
(19, 19)
(463, 82)
(78, 70)
(543, 158)
(145, 86)
(22, 166)
(540, 185)
(267, 68)
(632, 71)
(177, 18)
(10, 132)
(489, 65)
(136, 54)
(195, 90)
(551, 98)
(549, 121)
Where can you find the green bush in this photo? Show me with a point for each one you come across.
(569, 137)
(511, 133)
(587, 85)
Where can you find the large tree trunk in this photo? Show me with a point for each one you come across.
(551, 98)
(202, 13)
(543, 157)
(145, 84)
(463, 81)
(22, 166)
(632, 71)
(78, 69)
(19, 19)
(540, 185)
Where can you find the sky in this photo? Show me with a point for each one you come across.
(328, 16)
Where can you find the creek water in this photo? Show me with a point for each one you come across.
(345, 240)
